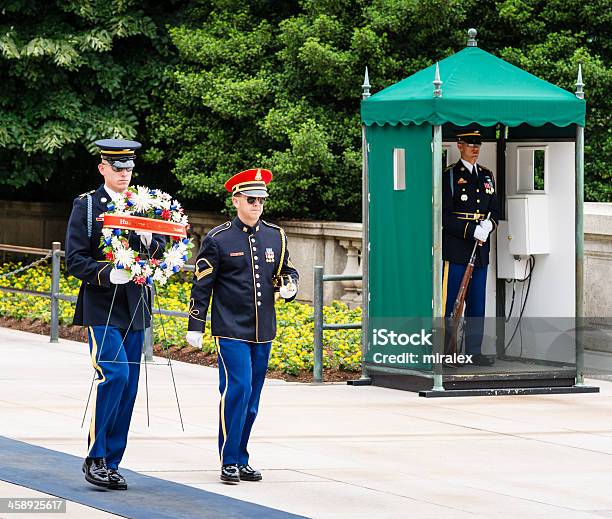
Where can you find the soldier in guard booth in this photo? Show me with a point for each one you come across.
(243, 262)
(468, 196)
(115, 310)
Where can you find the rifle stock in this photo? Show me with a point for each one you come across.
(456, 314)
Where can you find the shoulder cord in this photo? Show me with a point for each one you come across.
(283, 249)
(89, 215)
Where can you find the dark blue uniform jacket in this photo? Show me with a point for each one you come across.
(466, 199)
(85, 260)
(237, 264)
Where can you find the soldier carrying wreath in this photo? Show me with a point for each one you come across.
(115, 310)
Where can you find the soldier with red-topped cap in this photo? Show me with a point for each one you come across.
(244, 262)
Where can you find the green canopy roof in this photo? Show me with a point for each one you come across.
(477, 87)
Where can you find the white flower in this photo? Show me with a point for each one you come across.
(174, 257)
(185, 220)
(125, 257)
(116, 243)
(136, 269)
(176, 216)
(143, 201)
(160, 277)
(147, 271)
(120, 206)
(164, 204)
(107, 232)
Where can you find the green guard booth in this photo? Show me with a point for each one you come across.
(533, 141)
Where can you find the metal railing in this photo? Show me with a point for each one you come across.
(56, 254)
(319, 324)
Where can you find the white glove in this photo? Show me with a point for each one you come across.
(194, 339)
(145, 237)
(487, 225)
(480, 233)
(288, 291)
(119, 276)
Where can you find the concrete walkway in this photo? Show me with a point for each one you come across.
(334, 450)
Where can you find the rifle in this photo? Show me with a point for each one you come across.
(456, 314)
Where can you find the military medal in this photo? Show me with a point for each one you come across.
(269, 255)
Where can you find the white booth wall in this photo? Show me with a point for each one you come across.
(552, 293)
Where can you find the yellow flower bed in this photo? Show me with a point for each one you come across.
(292, 350)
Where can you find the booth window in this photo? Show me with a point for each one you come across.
(399, 169)
(531, 169)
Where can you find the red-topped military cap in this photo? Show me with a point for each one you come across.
(251, 182)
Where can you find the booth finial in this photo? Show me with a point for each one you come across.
(472, 38)
(366, 85)
(579, 83)
(437, 82)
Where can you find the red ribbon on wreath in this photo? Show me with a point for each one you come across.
(139, 223)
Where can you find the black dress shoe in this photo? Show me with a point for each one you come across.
(116, 480)
(96, 472)
(248, 473)
(483, 360)
(230, 473)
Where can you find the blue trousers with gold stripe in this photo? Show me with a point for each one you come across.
(115, 355)
(242, 371)
(474, 301)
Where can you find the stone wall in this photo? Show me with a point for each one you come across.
(598, 262)
(598, 277)
(33, 224)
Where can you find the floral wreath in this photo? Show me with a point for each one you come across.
(146, 207)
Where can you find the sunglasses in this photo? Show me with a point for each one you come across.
(117, 170)
(252, 199)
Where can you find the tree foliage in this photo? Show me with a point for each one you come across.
(270, 85)
(74, 71)
(282, 91)
(213, 87)
(557, 36)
